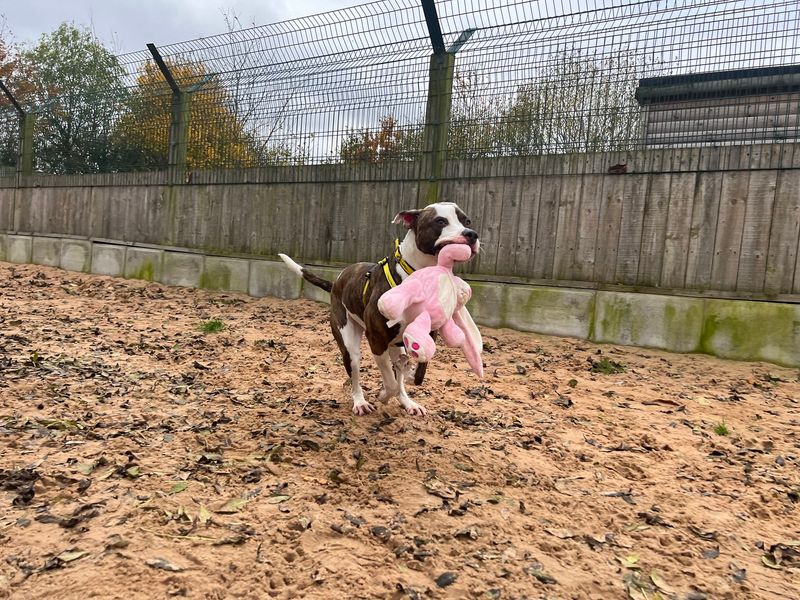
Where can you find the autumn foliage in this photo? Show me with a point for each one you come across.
(216, 136)
(390, 142)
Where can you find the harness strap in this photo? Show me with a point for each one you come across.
(387, 272)
(400, 260)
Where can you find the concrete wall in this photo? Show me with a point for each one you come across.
(736, 329)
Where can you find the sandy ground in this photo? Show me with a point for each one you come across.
(143, 458)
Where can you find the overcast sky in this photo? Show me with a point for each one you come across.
(127, 25)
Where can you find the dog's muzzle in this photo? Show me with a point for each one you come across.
(467, 236)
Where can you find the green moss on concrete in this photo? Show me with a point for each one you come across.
(553, 311)
(648, 320)
(143, 263)
(216, 278)
(613, 324)
(752, 331)
(145, 271)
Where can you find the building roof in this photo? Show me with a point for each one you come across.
(719, 84)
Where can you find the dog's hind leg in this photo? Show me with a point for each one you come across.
(349, 340)
(390, 387)
(400, 361)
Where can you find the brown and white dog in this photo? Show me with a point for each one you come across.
(355, 293)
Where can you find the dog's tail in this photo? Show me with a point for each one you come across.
(309, 277)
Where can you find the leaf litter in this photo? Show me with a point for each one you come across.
(150, 445)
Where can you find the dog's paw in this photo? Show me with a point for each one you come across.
(362, 408)
(386, 394)
(414, 409)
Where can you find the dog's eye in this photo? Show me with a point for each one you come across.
(442, 221)
(468, 223)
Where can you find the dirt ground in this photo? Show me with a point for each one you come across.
(141, 457)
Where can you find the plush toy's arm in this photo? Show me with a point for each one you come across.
(473, 343)
(394, 303)
(463, 290)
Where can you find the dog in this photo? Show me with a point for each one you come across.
(355, 293)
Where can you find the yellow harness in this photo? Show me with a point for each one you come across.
(387, 272)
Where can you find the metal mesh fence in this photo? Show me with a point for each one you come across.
(9, 138)
(563, 77)
(351, 85)
(344, 85)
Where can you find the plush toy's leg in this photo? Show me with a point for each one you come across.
(394, 303)
(473, 344)
(419, 374)
(417, 338)
(452, 334)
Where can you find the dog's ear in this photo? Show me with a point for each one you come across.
(407, 218)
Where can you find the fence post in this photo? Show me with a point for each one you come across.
(25, 139)
(25, 156)
(179, 135)
(437, 123)
(439, 105)
(179, 121)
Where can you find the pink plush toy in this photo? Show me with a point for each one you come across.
(433, 299)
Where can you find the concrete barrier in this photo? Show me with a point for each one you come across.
(46, 251)
(108, 259)
(19, 249)
(312, 292)
(144, 263)
(736, 329)
(740, 330)
(488, 303)
(76, 255)
(648, 320)
(182, 268)
(269, 278)
(229, 274)
(549, 310)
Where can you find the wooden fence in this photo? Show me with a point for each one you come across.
(722, 221)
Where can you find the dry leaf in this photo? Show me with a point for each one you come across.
(659, 582)
(438, 488)
(71, 555)
(562, 534)
(86, 468)
(178, 487)
(630, 561)
(160, 563)
(234, 540)
(232, 506)
(204, 515)
(277, 499)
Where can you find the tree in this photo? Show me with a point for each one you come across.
(216, 137)
(475, 118)
(390, 142)
(78, 88)
(574, 103)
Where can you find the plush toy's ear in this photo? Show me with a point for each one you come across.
(407, 218)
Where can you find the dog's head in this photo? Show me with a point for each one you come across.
(437, 225)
